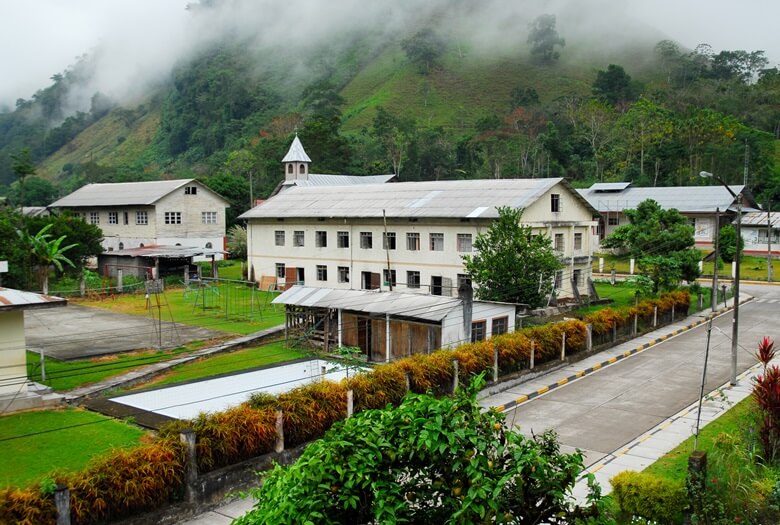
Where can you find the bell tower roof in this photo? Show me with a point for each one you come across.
(296, 153)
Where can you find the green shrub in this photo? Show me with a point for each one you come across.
(649, 496)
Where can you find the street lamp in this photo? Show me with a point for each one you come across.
(735, 322)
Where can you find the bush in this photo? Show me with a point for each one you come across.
(26, 506)
(649, 496)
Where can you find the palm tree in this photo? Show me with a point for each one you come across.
(46, 251)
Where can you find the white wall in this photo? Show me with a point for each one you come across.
(13, 360)
(452, 329)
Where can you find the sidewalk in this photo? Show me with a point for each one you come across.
(635, 455)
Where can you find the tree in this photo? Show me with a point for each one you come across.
(613, 85)
(22, 166)
(46, 251)
(423, 49)
(37, 192)
(544, 38)
(727, 243)
(428, 461)
(234, 189)
(512, 263)
(236, 242)
(662, 242)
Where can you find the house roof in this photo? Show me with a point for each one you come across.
(11, 299)
(410, 305)
(315, 179)
(163, 251)
(690, 199)
(759, 218)
(296, 153)
(439, 199)
(125, 193)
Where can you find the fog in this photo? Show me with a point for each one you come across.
(135, 44)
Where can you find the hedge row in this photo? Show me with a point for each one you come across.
(127, 482)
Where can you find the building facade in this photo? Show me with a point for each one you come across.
(139, 214)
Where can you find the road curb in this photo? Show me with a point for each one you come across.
(612, 360)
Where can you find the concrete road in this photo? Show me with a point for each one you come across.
(605, 410)
(76, 332)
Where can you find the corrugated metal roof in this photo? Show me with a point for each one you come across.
(690, 199)
(609, 186)
(436, 199)
(418, 306)
(759, 218)
(296, 153)
(164, 251)
(11, 299)
(124, 193)
(316, 179)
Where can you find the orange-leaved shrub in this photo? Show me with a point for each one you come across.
(311, 409)
(27, 506)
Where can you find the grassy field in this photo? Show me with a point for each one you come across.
(623, 293)
(237, 361)
(37, 443)
(751, 268)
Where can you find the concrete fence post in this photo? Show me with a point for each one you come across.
(635, 326)
(495, 364)
(655, 316)
(601, 264)
(563, 347)
(614, 333)
(589, 337)
(455, 371)
(62, 503)
(613, 277)
(631, 266)
(83, 284)
(408, 380)
(733, 269)
(672, 312)
(533, 354)
(187, 437)
(119, 281)
(279, 446)
(43, 365)
(350, 402)
(700, 298)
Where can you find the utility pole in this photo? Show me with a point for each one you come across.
(769, 269)
(715, 262)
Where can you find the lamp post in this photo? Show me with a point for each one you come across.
(735, 321)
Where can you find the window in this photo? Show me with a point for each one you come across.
(113, 217)
(462, 279)
(576, 277)
(437, 242)
(281, 271)
(141, 217)
(343, 274)
(208, 217)
(279, 238)
(412, 279)
(388, 277)
(555, 203)
(298, 238)
(126, 217)
(322, 272)
(342, 239)
(388, 241)
(321, 239)
(464, 242)
(578, 241)
(172, 217)
(366, 241)
(613, 221)
(413, 241)
(121, 246)
(558, 280)
(190, 190)
(94, 217)
(499, 326)
(289, 168)
(559, 242)
(478, 331)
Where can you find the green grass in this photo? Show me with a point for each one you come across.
(67, 375)
(623, 294)
(244, 359)
(205, 309)
(37, 443)
(751, 268)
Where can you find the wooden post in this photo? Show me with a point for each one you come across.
(455, 368)
(589, 338)
(495, 364)
(187, 437)
(533, 352)
(279, 447)
(408, 381)
(697, 474)
(350, 402)
(563, 347)
(62, 503)
(614, 333)
(635, 324)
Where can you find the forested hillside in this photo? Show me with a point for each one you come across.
(428, 103)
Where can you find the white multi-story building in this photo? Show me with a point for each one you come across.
(140, 214)
(409, 236)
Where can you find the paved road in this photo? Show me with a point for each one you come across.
(76, 331)
(603, 411)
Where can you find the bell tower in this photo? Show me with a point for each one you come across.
(296, 162)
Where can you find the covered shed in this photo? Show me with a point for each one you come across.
(152, 261)
(390, 325)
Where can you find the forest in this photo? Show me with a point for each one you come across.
(420, 106)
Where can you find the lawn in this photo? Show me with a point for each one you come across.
(229, 307)
(752, 268)
(623, 294)
(244, 359)
(66, 375)
(37, 443)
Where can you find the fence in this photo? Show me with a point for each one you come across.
(230, 298)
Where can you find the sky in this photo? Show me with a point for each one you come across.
(139, 41)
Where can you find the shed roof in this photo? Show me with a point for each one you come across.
(164, 251)
(125, 193)
(433, 199)
(11, 299)
(296, 153)
(418, 306)
(759, 218)
(687, 199)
